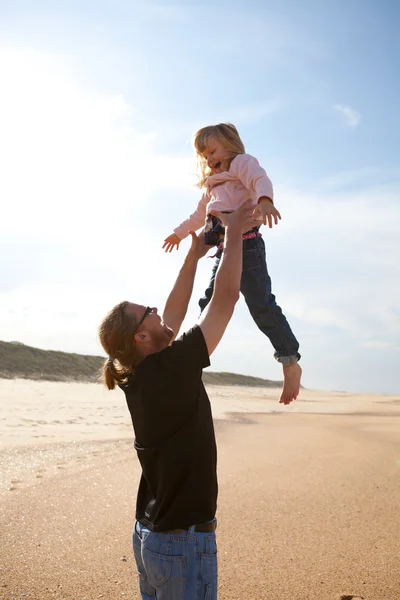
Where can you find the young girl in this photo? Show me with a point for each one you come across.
(230, 176)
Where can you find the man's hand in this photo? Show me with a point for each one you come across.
(170, 242)
(198, 248)
(266, 210)
(242, 217)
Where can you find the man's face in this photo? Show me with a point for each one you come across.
(215, 154)
(152, 325)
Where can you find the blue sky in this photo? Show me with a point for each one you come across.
(99, 102)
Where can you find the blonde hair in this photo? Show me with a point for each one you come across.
(227, 134)
(116, 333)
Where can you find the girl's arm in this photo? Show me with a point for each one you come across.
(252, 175)
(194, 222)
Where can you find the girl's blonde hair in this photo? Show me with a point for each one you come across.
(116, 336)
(227, 134)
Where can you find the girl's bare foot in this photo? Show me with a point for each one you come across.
(291, 383)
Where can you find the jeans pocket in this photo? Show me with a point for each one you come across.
(210, 546)
(158, 567)
(164, 569)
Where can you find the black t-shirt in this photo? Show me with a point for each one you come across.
(174, 431)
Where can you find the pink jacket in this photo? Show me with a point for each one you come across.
(228, 190)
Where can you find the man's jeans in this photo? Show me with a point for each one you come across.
(255, 286)
(174, 566)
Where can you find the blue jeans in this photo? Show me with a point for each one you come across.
(255, 286)
(176, 566)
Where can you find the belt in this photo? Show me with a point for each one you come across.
(250, 235)
(200, 528)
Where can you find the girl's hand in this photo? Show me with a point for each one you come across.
(170, 242)
(266, 210)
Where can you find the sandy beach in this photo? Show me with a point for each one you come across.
(309, 502)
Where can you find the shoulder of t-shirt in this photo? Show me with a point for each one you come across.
(190, 347)
(192, 335)
(193, 331)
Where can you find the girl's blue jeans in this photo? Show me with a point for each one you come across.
(175, 566)
(255, 286)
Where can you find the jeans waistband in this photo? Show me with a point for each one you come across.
(207, 527)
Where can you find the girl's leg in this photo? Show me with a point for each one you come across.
(256, 289)
(210, 289)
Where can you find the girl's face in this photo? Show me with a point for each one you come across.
(215, 154)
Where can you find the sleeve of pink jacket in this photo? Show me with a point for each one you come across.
(252, 175)
(195, 221)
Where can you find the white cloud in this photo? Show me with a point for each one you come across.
(70, 155)
(352, 117)
(365, 177)
(250, 113)
(78, 218)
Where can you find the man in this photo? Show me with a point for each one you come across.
(174, 536)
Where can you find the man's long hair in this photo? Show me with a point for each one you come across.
(116, 336)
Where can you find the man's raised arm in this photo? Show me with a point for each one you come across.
(217, 315)
(178, 300)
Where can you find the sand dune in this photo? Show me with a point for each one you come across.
(309, 498)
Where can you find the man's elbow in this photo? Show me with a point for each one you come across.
(234, 296)
(228, 295)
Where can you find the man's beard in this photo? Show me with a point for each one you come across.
(163, 338)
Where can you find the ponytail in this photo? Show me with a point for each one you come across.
(116, 336)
